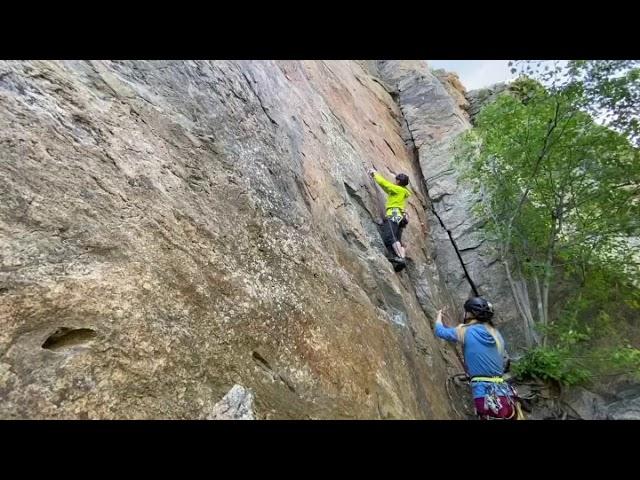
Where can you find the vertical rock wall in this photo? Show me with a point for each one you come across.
(170, 229)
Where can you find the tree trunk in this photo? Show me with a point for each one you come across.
(545, 298)
(547, 283)
(548, 273)
(519, 306)
(526, 303)
(526, 307)
(541, 317)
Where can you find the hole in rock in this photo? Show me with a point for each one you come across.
(261, 360)
(65, 337)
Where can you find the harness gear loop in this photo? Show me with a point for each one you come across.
(396, 214)
(488, 379)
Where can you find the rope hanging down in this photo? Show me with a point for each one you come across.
(455, 246)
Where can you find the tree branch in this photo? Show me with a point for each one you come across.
(551, 127)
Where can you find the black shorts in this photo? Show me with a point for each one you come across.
(391, 232)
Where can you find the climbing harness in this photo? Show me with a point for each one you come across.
(488, 379)
(499, 389)
(492, 401)
(398, 216)
(394, 214)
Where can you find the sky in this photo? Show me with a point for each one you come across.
(476, 73)
(482, 73)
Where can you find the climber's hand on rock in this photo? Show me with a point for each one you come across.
(372, 172)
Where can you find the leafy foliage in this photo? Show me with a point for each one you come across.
(591, 336)
(573, 170)
(550, 364)
(560, 193)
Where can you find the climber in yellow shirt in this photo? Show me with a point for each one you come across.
(395, 210)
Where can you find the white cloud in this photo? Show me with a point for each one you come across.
(476, 73)
(488, 73)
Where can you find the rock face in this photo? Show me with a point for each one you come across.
(237, 404)
(626, 406)
(435, 121)
(478, 98)
(171, 229)
(585, 404)
(619, 403)
(454, 86)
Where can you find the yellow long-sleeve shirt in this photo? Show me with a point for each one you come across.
(397, 195)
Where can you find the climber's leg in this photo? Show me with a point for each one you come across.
(388, 237)
(387, 234)
(397, 235)
(399, 249)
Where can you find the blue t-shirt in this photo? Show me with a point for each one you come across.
(481, 356)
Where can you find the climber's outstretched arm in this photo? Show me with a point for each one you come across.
(386, 185)
(446, 333)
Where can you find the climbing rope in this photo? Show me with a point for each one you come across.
(455, 246)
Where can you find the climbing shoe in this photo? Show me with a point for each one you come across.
(398, 267)
(398, 263)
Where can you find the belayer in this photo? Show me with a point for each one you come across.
(485, 360)
(396, 218)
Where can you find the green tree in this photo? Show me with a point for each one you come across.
(558, 190)
(608, 89)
